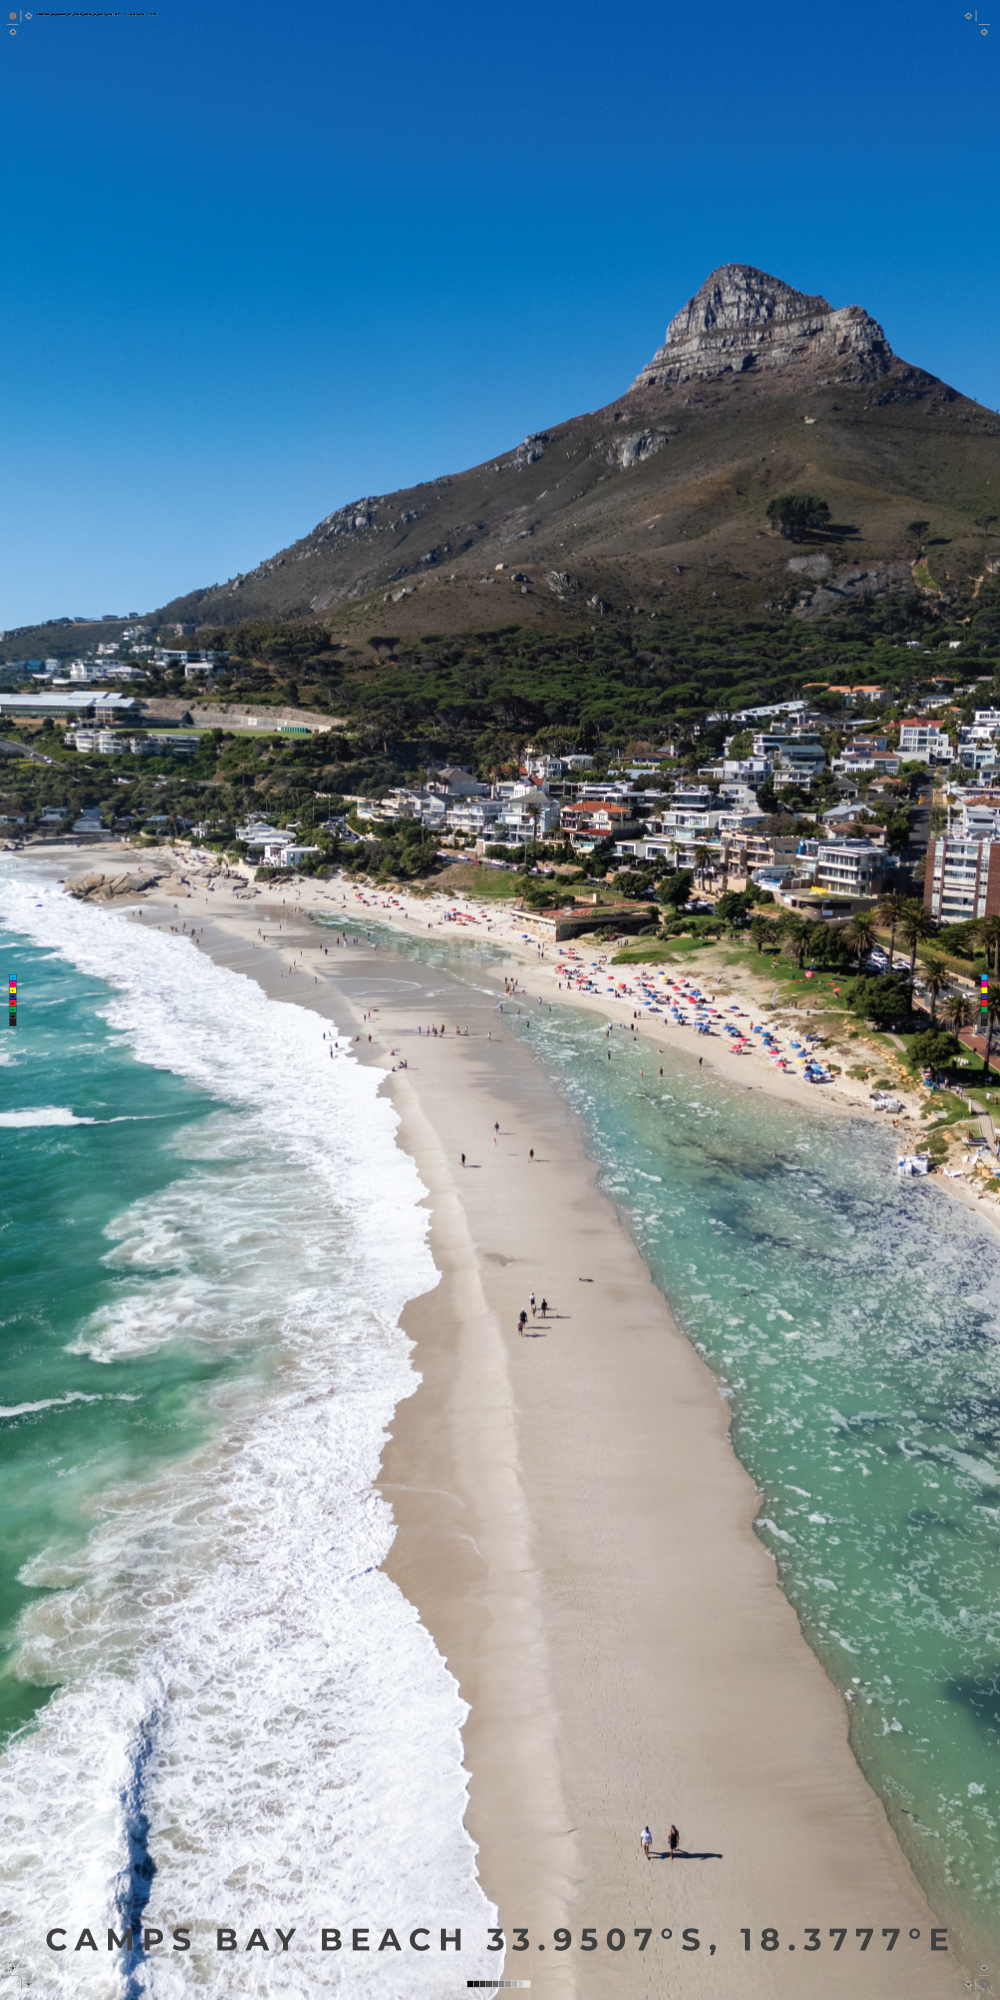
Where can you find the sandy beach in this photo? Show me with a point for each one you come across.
(576, 1530)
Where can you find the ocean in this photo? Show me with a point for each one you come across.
(215, 1710)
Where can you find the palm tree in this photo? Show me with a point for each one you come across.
(937, 979)
(702, 863)
(888, 913)
(915, 926)
(989, 938)
(860, 935)
(957, 1012)
(992, 1017)
(794, 938)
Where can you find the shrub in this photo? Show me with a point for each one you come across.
(883, 999)
(934, 1050)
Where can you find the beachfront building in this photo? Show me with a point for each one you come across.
(962, 879)
(89, 824)
(286, 854)
(579, 917)
(856, 868)
(476, 818)
(750, 851)
(592, 820)
(258, 834)
(528, 814)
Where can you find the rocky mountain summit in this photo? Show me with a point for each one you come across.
(659, 501)
(740, 319)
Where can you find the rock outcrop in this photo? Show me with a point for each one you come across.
(110, 888)
(742, 321)
(627, 451)
(881, 579)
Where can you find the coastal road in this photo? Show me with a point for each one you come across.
(9, 749)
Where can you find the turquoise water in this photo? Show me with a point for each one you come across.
(455, 952)
(63, 1184)
(854, 1322)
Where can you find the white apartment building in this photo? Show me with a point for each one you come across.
(962, 879)
(477, 818)
(851, 867)
(104, 741)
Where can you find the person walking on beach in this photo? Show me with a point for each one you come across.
(543, 1308)
(673, 1840)
(531, 1303)
(522, 1322)
(463, 1159)
(646, 1841)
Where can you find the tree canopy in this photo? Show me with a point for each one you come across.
(798, 514)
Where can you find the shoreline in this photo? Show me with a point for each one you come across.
(846, 1096)
(576, 1533)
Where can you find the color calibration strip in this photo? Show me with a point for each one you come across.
(492, 1984)
(983, 984)
(12, 1000)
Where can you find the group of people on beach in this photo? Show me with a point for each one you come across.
(543, 1308)
(646, 1842)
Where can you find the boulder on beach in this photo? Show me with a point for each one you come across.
(111, 888)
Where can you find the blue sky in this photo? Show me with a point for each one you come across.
(262, 259)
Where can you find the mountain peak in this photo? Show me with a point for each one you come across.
(742, 321)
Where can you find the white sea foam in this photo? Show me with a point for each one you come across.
(44, 1114)
(54, 1402)
(241, 1691)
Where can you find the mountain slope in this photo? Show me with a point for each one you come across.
(659, 500)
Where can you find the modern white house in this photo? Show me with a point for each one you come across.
(920, 738)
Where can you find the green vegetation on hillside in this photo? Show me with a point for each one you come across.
(606, 683)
